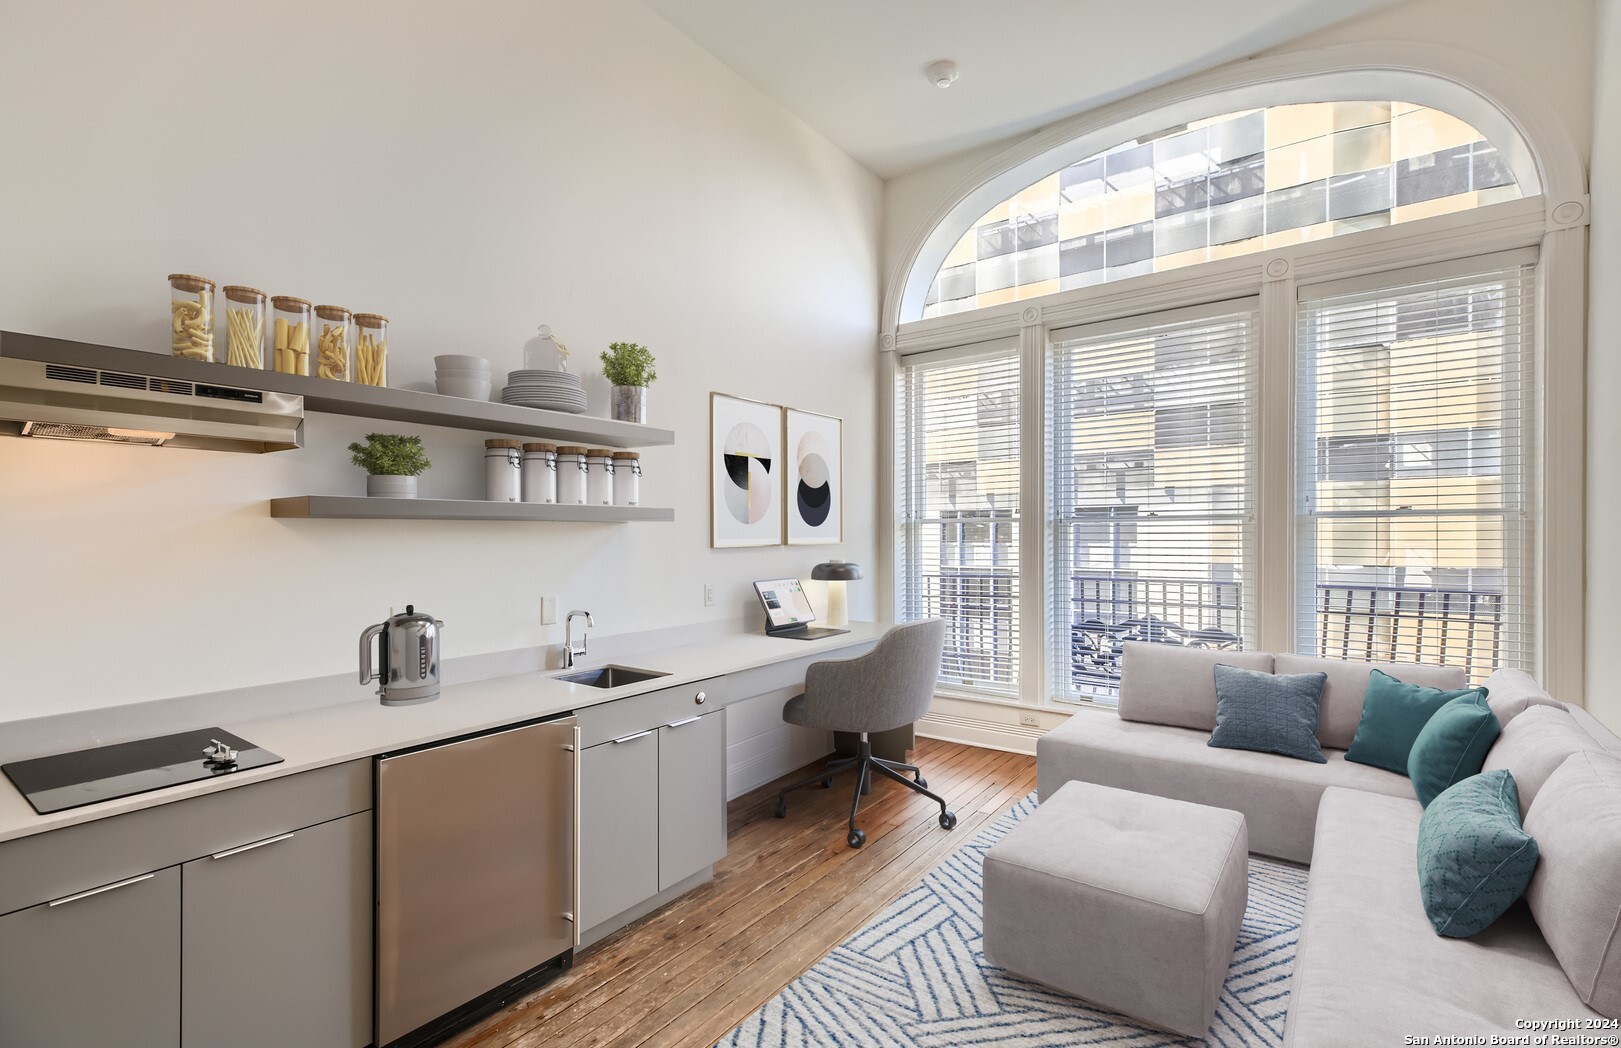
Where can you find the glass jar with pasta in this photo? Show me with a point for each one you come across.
(334, 343)
(244, 326)
(371, 349)
(290, 352)
(191, 314)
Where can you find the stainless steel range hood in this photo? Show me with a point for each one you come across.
(54, 389)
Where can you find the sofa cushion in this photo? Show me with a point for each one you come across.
(1278, 797)
(1511, 692)
(1392, 716)
(1474, 857)
(1169, 684)
(1369, 969)
(1534, 745)
(1347, 686)
(1576, 894)
(1451, 746)
(1268, 712)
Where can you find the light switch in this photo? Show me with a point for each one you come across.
(548, 610)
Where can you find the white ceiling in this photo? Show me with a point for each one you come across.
(853, 69)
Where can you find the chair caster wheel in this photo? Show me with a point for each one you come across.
(856, 838)
(782, 808)
(921, 781)
(947, 820)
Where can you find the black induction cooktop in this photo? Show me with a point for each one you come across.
(71, 780)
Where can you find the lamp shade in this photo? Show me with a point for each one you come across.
(836, 571)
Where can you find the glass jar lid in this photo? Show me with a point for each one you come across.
(503, 443)
(570, 449)
(239, 293)
(544, 448)
(370, 320)
(627, 455)
(333, 313)
(190, 283)
(289, 303)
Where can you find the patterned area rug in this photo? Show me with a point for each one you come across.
(916, 976)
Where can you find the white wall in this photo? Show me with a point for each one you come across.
(471, 170)
(1604, 372)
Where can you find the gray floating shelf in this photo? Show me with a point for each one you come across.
(348, 398)
(359, 507)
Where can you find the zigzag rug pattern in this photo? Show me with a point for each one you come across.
(916, 976)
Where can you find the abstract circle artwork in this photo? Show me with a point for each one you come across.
(814, 492)
(747, 455)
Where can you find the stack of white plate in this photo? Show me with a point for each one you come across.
(551, 390)
(462, 376)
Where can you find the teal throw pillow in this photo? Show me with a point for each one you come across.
(1393, 713)
(1452, 746)
(1270, 712)
(1474, 858)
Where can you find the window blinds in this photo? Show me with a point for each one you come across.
(957, 487)
(1151, 490)
(1414, 531)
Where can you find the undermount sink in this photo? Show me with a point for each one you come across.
(609, 676)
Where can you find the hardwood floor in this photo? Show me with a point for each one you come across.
(788, 891)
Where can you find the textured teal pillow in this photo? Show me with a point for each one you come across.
(1474, 858)
(1452, 746)
(1270, 712)
(1393, 713)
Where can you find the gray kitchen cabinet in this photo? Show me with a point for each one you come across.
(99, 967)
(692, 796)
(277, 940)
(619, 826)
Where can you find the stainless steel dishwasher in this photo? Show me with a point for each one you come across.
(477, 875)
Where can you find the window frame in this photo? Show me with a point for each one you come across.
(1275, 278)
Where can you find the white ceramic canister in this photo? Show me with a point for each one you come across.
(570, 476)
(540, 473)
(627, 478)
(503, 468)
(599, 477)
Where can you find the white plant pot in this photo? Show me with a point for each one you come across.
(386, 487)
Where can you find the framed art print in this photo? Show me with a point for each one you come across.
(745, 472)
(813, 446)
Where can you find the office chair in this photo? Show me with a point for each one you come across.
(890, 686)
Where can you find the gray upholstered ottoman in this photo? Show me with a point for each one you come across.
(1126, 899)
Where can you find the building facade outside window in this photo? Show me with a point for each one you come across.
(1401, 400)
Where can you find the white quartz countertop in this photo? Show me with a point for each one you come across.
(315, 738)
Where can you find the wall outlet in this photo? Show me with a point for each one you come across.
(709, 595)
(1029, 720)
(548, 610)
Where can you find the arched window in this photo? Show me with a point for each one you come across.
(1228, 185)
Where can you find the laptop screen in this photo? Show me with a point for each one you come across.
(785, 603)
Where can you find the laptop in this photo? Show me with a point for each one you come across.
(788, 612)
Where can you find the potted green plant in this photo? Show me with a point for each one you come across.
(392, 463)
(628, 367)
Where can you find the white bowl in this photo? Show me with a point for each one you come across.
(458, 362)
(481, 376)
(472, 389)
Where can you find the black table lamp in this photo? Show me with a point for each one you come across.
(836, 573)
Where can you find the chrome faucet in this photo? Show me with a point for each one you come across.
(570, 653)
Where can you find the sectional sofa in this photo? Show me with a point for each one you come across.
(1369, 969)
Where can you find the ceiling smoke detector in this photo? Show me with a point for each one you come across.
(943, 73)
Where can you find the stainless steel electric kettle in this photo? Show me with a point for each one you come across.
(408, 658)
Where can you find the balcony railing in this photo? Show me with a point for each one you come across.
(1365, 622)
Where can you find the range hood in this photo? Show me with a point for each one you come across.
(54, 389)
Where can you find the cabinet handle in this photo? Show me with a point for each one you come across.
(103, 888)
(677, 724)
(571, 917)
(699, 698)
(250, 847)
(633, 738)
